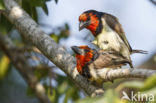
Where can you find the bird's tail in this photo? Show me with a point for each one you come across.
(139, 51)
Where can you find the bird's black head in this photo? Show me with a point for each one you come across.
(91, 20)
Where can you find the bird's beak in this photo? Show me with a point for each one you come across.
(76, 49)
(82, 25)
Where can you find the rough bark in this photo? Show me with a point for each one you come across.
(112, 74)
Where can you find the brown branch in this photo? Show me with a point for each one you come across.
(20, 62)
(32, 33)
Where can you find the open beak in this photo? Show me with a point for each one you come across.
(82, 25)
(76, 49)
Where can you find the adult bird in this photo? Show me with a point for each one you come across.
(90, 62)
(108, 32)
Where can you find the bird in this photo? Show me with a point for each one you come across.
(108, 33)
(89, 61)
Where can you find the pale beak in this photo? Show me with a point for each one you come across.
(76, 49)
(82, 25)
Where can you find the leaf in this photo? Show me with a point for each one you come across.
(2, 7)
(4, 65)
(39, 3)
(62, 87)
(36, 3)
(55, 37)
(109, 97)
(5, 25)
(150, 91)
(30, 92)
(53, 95)
(68, 95)
(56, 1)
(45, 8)
(149, 83)
(131, 84)
(40, 72)
(31, 10)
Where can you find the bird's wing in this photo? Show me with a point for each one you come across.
(114, 24)
(110, 60)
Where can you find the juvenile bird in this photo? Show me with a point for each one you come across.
(108, 32)
(89, 61)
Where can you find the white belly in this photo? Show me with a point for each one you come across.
(114, 43)
(108, 41)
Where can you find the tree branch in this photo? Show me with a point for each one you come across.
(32, 33)
(112, 74)
(20, 62)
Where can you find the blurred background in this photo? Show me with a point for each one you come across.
(59, 19)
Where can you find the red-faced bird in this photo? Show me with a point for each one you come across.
(89, 61)
(108, 33)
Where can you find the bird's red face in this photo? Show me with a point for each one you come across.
(83, 55)
(89, 20)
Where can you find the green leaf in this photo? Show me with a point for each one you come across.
(31, 10)
(55, 37)
(71, 93)
(30, 92)
(132, 84)
(109, 97)
(62, 87)
(2, 7)
(5, 25)
(68, 95)
(45, 8)
(150, 91)
(149, 83)
(53, 95)
(4, 65)
(40, 72)
(38, 3)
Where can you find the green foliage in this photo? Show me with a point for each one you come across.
(63, 88)
(66, 87)
(35, 3)
(63, 33)
(2, 5)
(149, 83)
(30, 92)
(132, 84)
(29, 6)
(4, 66)
(41, 72)
(5, 25)
(110, 96)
